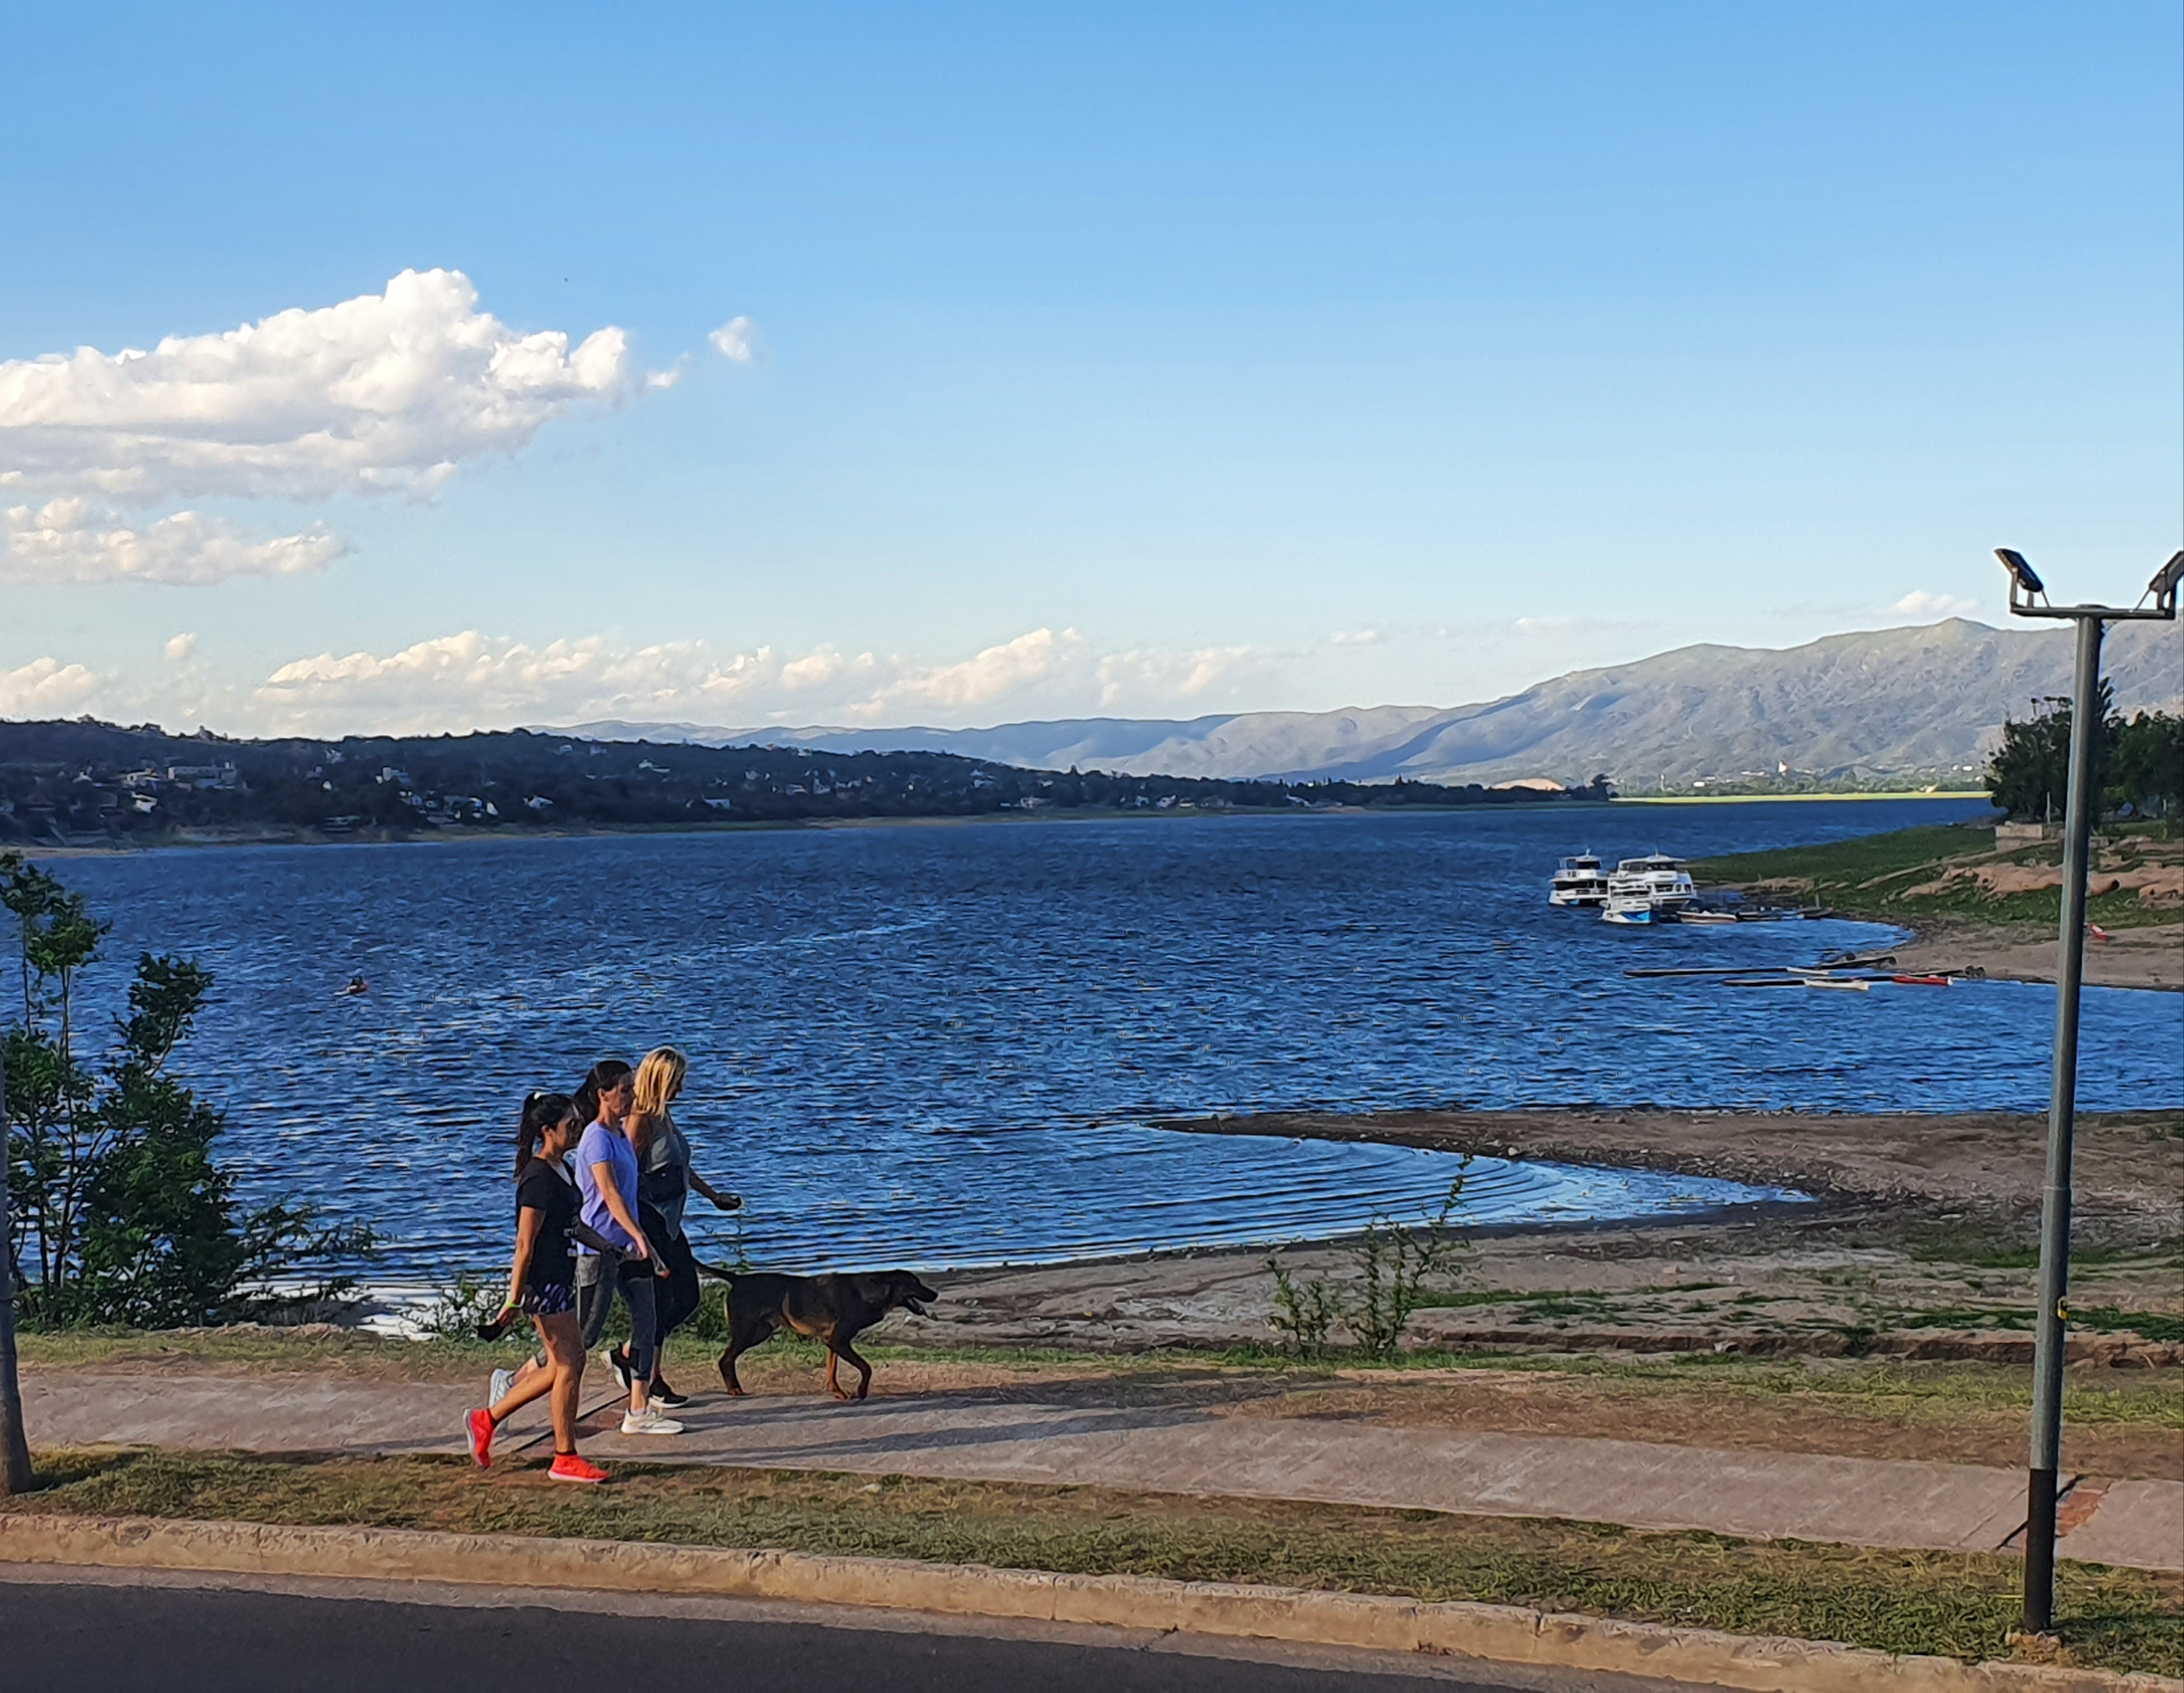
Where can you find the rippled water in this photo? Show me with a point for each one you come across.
(941, 1044)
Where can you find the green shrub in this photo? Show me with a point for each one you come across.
(120, 1213)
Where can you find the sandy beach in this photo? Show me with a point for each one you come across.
(2149, 957)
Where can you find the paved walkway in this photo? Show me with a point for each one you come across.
(1169, 1449)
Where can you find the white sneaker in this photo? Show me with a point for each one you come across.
(649, 1421)
(497, 1388)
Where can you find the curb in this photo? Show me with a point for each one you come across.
(1500, 1633)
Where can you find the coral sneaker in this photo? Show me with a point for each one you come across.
(479, 1426)
(568, 1466)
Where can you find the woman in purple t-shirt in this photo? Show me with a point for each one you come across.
(606, 1177)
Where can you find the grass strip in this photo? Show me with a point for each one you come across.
(1959, 1604)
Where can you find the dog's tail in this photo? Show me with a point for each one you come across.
(717, 1272)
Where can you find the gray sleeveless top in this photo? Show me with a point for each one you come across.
(666, 1175)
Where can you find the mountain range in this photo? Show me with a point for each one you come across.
(1878, 708)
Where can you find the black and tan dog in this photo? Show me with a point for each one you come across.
(833, 1310)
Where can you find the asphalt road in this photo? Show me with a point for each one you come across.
(104, 1634)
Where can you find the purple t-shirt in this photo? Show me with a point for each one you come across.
(603, 1145)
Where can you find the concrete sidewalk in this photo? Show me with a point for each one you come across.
(1169, 1449)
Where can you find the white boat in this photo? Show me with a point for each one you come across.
(1654, 888)
(1581, 881)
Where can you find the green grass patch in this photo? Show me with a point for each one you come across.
(1850, 863)
(1954, 1604)
(2106, 1319)
(2148, 1325)
(1873, 876)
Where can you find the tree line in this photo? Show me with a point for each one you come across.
(2138, 763)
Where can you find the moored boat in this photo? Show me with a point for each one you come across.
(1657, 885)
(1580, 881)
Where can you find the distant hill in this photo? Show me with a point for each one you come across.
(1878, 708)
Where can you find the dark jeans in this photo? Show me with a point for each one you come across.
(636, 1280)
(680, 1294)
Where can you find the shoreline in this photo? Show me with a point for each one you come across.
(1994, 1160)
(1790, 799)
(298, 835)
(1915, 1242)
(310, 838)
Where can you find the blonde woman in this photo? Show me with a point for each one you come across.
(665, 1182)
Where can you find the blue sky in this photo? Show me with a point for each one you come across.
(1148, 360)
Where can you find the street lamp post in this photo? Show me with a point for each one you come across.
(2028, 598)
(15, 1475)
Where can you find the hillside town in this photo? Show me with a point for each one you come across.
(88, 784)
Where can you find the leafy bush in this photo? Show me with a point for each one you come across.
(120, 1213)
(458, 1307)
(1305, 1313)
(1397, 1266)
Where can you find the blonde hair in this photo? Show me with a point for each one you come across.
(658, 1080)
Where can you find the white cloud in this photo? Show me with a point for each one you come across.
(1919, 602)
(1356, 637)
(992, 675)
(736, 339)
(1145, 679)
(180, 648)
(387, 392)
(45, 687)
(69, 541)
(474, 680)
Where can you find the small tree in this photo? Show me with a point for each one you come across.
(120, 1213)
(2029, 775)
(2148, 771)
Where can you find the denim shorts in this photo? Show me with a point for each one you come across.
(548, 1299)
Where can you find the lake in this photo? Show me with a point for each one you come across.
(941, 1044)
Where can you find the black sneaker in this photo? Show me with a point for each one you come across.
(665, 1396)
(618, 1361)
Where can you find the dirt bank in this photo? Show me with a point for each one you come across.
(2148, 957)
(1919, 1244)
(2129, 1166)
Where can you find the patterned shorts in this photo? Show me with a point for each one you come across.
(548, 1299)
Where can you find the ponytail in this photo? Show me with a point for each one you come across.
(541, 1111)
(597, 1080)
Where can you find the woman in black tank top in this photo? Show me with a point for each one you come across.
(542, 1284)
